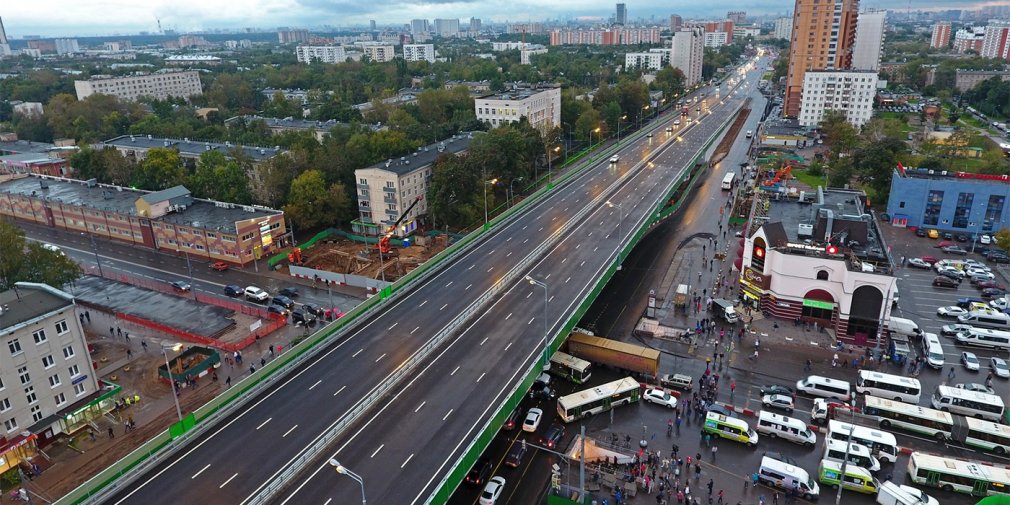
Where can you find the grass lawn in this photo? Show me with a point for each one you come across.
(894, 115)
(810, 180)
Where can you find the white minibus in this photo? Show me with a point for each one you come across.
(789, 428)
(905, 389)
(932, 349)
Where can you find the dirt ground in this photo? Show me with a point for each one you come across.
(347, 257)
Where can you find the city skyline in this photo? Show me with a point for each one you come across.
(54, 18)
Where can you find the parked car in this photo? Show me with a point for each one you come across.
(920, 233)
(950, 311)
(979, 273)
(480, 472)
(492, 490)
(943, 243)
(552, 437)
(974, 386)
(233, 290)
(532, 421)
(950, 273)
(948, 235)
(660, 397)
(516, 454)
(220, 266)
(289, 292)
(990, 293)
(919, 263)
(784, 402)
(776, 389)
(181, 286)
(283, 301)
(961, 237)
(945, 282)
(300, 315)
(277, 309)
(953, 249)
(255, 293)
(987, 284)
(970, 361)
(999, 258)
(953, 329)
(966, 303)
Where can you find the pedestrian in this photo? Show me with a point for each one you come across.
(806, 366)
(112, 434)
(754, 479)
(112, 331)
(87, 315)
(252, 369)
(711, 483)
(82, 319)
(143, 343)
(271, 350)
(950, 375)
(129, 353)
(697, 471)
(91, 435)
(720, 497)
(227, 382)
(732, 387)
(715, 449)
(119, 331)
(263, 362)
(680, 496)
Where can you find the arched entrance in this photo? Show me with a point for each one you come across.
(819, 307)
(864, 316)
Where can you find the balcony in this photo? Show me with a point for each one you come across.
(389, 190)
(389, 199)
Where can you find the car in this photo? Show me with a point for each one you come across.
(283, 301)
(220, 266)
(999, 258)
(948, 235)
(313, 308)
(649, 135)
(515, 455)
(950, 311)
(776, 389)
(1000, 304)
(929, 259)
(783, 402)
(492, 490)
(614, 159)
(233, 290)
(532, 421)
(943, 243)
(920, 497)
(181, 286)
(999, 367)
(778, 456)
(945, 282)
(480, 472)
(960, 237)
(949, 271)
(968, 302)
(512, 420)
(543, 393)
(985, 239)
(719, 409)
(978, 273)
(53, 248)
(669, 129)
(256, 294)
(974, 386)
(676, 122)
(970, 361)
(954, 329)
(277, 309)
(973, 263)
(289, 292)
(995, 292)
(919, 263)
(986, 284)
(552, 437)
(300, 315)
(660, 397)
(920, 233)
(933, 234)
(953, 249)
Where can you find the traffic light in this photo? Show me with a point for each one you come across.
(831, 249)
(759, 252)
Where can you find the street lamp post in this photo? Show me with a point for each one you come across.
(597, 130)
(619, 121)
(94, 247)
(343, 470)
(512, 194)
(845, 460)
(620, 209)
(547, 342)
(486, 182)
(168, 370)
(551, 157)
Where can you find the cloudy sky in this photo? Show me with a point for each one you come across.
(104, 17)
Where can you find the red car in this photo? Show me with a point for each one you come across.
(990, 284)
(929, 259)
(220, 266)
(944, 243)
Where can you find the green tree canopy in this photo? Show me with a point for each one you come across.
(23, 261)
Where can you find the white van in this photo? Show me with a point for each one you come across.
(815, 385)
(890, 493)
(933, 350)
(859, 455)
(789, 428)
(784, 476)
(984, 337)
(986, 319)
(903, 326)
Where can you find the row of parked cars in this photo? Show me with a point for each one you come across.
(282, 303)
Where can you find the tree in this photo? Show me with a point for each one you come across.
(1003, 239)
(311, 204)
(219, 178)
(161, 169)
(21, 261)
(840, 135)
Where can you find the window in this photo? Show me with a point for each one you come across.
(68, 352)
(54, 380)
(79, 389)
(822, 275)
(48, 361)
(5, 405)
(15, 346)
(40, 335)
(60, 399)
(24, 375)
(933, 203)
(30, 394)
(11, 425)
(74, 371)
(36, 413)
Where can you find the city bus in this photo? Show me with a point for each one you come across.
(924, 421)
(585, 403)
(570, 367)
(727, 181)
(961, 475)
(968, 403)
(885, 385)
(883, 444)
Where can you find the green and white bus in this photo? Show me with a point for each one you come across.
(964, 476)
(981, 434)
(585, 403)
(570, 367)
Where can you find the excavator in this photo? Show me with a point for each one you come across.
(384, 247)
(781, 174)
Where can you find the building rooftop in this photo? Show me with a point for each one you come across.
(518, 92)
(28, 301)
(192, 57)
(929, 173)
(24, 146)
(188, 148)
(807, 223)
(199, 213)
(426, 155)
(29, 158)
(288, 122)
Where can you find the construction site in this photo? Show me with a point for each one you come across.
(345, 256)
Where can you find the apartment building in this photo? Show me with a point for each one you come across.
(645, 61)
(824, 32)
(783, 28)
(419, 52)
(447, 27)
(540, 105)
(941, 35)
(686, 52)
(996, 41)
(613, 37)
(67, 46)
(850, 92)
(525, 54)
(286, 36)
(716, 39)
(869, 40)
(161, 85)
(378, 52)
(321, 54)
(969, 39)
(968, 79)
(676, 22)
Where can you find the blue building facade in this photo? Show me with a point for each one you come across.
(957, 202)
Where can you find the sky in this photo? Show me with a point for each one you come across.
(106, 17)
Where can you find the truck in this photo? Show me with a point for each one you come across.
(724, 308)
(680, 297)
(824, 410)
(623, 356)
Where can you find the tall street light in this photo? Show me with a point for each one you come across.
(619, 121)
(547, 342)
(551, 157)
(343, 470)
(94, 247)
(597, 130)
(512, 194)
(620, 209)
(171, 380)
(486, 182)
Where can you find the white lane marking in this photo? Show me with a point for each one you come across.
(407, 460)
(481, 376)
(454, 371)
(422, 304)
(447, 414)
(509, 254)
(339, 390)
(529, 295)
(541, 228)
(590, 234)
(355, 355)
(527, 240)
(508, 316)
(314, 385)
(564, 260)
(492, 252)
(531, 321)
(471, 266)
(380, 357)
(264, 423)
(444, 306)
(377, 450)
(582, 264)
(393, 326)
(595, 248)
(568, 279)
(286, 433)
(524, 227)
(510, 238)
(507, 347)
(450, 284)
(201, 471)
(225, 483)
(490, 269)
(547, 277)
(551, 299)
(415, 329)
(327, 502)
(483, 341)
(419, 406)
(578, 246)
(468, 287)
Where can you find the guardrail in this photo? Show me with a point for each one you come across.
(477, 446)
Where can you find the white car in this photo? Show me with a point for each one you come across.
(1000, 303)
(954, 329)
(978, 272)
(922, 498)
(919, 263)
(970, 263)
(492, 491)
(950, 311)
(970, 361)
(55, 249)
(985, 239)
(255, 293)
(614, 159)
(532, 421)
(950, 270)
(784, 402)
(660, 397)
(999, 367)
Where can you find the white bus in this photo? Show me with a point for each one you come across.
(570, 367)
(582, 404)
(986, 435)
(883, 444)
(727, 181)
(968, 403)
(984, 337)
(905, 389)
(925, 421)
(964, 476)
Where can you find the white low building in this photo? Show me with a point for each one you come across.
(321, 54)
(160, 85)
(378, 52)
(850, 92)
(419, 52)
(649, 61)
(540, 105)
(716, 39)
(525, 54)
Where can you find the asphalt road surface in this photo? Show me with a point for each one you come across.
(420, 430)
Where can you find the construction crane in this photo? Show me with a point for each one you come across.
(384, 241)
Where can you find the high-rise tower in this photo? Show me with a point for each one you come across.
(823, 36)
